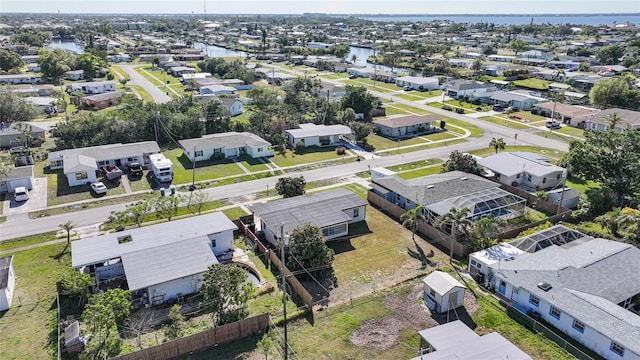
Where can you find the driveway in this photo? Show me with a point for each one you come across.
(37, 199)
(159, 96)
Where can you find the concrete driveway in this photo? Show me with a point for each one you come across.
(37, 199)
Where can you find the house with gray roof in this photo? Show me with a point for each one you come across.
(18, 176)
(310, 134)
(332, 211)
(407, 126)
(527, 170)
(80, 165)
(10, 136)
(156, 263)
(586, 287)
(628, 119)
(229, 144)
(514, 99)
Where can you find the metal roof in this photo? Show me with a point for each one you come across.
(441, 282)
(321, 209)
(106, 247)
(107, 152)
(409, 120)
(228, 139)
(513, 163)
(479, 202)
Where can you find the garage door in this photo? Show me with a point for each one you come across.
(12, 184)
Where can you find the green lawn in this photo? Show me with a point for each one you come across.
(307, 155)
(205, 170)
(335, 76)
(371, 85)
(554, 135)
(27, 240)
(466, 105)
(581, 185)
(424, 147)
(528, 116)
(142, 92)
(252, 164)
(405, 108)
(382, 143)
(514, 124)
(412, 174)
(570, 130)
(475, 131)
(532, 83)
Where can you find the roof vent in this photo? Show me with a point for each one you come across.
(464, 178)
(544, 286)
(429, 186)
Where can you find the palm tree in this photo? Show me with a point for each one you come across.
(455, 220)
(485, 231)
(477, 66)
(613, 119)
(498, 144)
(354, 57)
(610, 221)
(68, 226)
(410, 220)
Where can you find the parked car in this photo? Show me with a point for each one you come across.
(21, 194)
(552, 124)
(111, 172)
(407, 88)
(135, 169)
(353, 76)
(99, 188)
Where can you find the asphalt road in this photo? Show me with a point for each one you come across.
(158, 95)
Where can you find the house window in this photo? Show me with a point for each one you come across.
(534, 300)
(518, 176)
(131, 159)
(528, 177)
(217, 151)
(356, 212)
(432, 293)
(198, 153)
(558, 176)
(617, 348)
(102, 163)
(334, 230)
(260, 149)
(81, 175)
(555, 312)
(578, 325)
(544, 180)
(516, 290)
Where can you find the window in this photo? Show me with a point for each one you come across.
(131, 159)
(617, 348)
(432, 293)
(558, 177)
(528, 177)
(102, 163)
(578, 325)
(334, 230)
(356, 212)
(198, 153)
(217, 151)
(544, 180)
(81, 175)
(534, 300)
(516, 290)
(518, 176)
(260, 149)
(555, 312)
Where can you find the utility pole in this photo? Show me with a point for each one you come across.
(564, 183)
(193, 172)
(155, 125)
(284, 239)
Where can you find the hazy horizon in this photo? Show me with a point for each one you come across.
(334, 7)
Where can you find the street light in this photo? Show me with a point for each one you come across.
(284, 241)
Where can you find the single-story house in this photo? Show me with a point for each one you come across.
(33, 68)
(102, 101)
(331, 92)
(460, 88)
(156, 263)
(318, 45)
(418, 83)
(7, 282)
(332, 211)
(10, 137)
(500, 58)
(30, 59)
(187, 77)
(480, 262)
(33, 90)
(92, 87)
(278, 78)
(120, 57)
(524, 169)
(572, 115)
(384, 76)
(515, 99)
(227, 144)
(406, 126)
(178, 71)
(19, 176)
(363, 72)
(80, 165)
(442, 292)
(190, 57)
(151, 57)
(19, 79)
(581, 285)
(233, 105)
(217, 90)
(45, 103)
(318, 135)
(74, 75)
(628, 119)
(455, 340)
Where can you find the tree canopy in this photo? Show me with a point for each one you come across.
(14, 108)
(91, 64)
(461, 162)
(358, 99)
(56, 62)
(104, 313)
(610, 55)
(225, 290)
(10, 60)
(307, 250)
(291, 186)
(617, 91)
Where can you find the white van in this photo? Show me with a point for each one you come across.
(21, 194)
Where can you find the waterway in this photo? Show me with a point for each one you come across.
(591, 19)
(217, 51)
(67, 45)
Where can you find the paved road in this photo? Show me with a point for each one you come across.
(158, 95)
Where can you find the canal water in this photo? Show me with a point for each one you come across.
(67, 45)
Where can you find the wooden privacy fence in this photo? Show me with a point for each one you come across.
(436, 235)
(294, 283)
(206, 339)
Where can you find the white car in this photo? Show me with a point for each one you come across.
(99, 188)
(21, 194)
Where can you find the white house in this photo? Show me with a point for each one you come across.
(217, 90)
(19, 79)
(500, 58)
(405, 126)
(363, 72)
(74, 75)
(7, 282)
(19, 176)
(581, 285)
(627, 119)
(418, 83)
(80, 165)
(92, 87)
(524, 169)
(45, 103)
(332, 211)
(159, 262)
(572, 115)
(233, 105)
(225, 145)
(319, 135)
(442, 292)
(460, 88)
(178, 71)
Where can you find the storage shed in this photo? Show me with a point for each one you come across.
(442, 292)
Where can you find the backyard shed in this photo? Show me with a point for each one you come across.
(442, 292)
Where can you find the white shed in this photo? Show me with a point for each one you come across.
(7, 282)
(442, 292)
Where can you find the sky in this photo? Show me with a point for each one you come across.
(323, 6)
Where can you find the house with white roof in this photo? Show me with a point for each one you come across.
(583, 286)
(442, 292)
(92, 87)
(80, 165)
(460, 88)
(217, 89)
(229, 144)
(418, 83)
(332, 211)
(19, 79)
(524, 169)
(156, 263)
(74, 75)
(310, 134)
(407, 126)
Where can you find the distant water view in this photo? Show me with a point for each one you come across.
(217, 51)
(68, 45)
(594, 19)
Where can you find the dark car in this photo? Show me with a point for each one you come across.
(135, 169)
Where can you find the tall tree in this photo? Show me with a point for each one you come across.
(360, 130)
(10, 60)
(104, 313)
(410, 220)
(456, 224)
(610, 221)
(91, 64)
(485, 231)
(497, 144)
(518, 46)
(610, 55)
(618, 92)
(56, 62)
(291, 186)
(14, 108)
(226, 291)
(461, 162)
(358, 99)
(308, 252)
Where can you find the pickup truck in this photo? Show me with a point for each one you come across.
(135, 169)
(111, 172)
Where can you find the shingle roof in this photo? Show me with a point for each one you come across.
(104, 96)
(320, 209)
(512, 163)
(104, 152)
(79, 163)
(441, 282)
(5, 264)
(627, 116)
(10, 130)
(409, 120)
(229, 139)
(19, 172)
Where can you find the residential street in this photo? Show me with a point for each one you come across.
(158, 95)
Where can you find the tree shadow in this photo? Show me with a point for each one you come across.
(419, 254)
